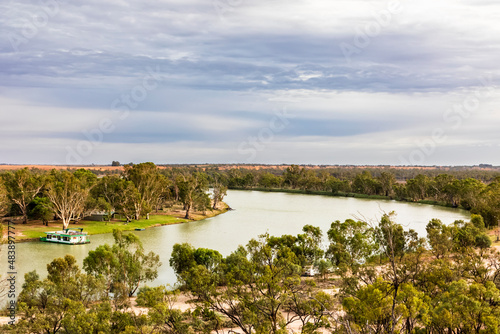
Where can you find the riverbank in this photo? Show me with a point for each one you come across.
(344, 194)
(493, 233)
(175, 215)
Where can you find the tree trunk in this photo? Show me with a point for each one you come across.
(188, 208)
(65, 223)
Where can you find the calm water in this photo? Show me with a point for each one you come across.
(254, 213)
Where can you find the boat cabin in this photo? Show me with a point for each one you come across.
(70, 236)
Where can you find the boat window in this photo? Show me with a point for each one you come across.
(49, 236)
(58, 237)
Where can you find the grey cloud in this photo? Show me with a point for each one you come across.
(238, 68)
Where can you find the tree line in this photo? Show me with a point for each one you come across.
(143, 188)
(480, 195)
(375, 278)
(139, 190)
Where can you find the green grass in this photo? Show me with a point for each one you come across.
(35, 230)
(95, 227)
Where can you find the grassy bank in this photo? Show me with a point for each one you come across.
(34, 230)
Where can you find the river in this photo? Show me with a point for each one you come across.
(254, 213)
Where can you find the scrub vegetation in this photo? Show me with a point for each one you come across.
(374, 277)
(370, 277)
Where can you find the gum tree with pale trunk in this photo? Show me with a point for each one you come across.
(149, 182)
(23, 186)
(69, 193)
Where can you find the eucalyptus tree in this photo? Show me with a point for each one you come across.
(418, 187)
(52, 305)
(4, 199)
(371, 309)
(193, 191)
(336, 185)
(23, 186)
(440, 185)
(310, 244)
(440, 238)
(352, 244)
(388, 300)
(240, 178)
(309, 180)
(125, 264)
(292, 176)
(470, 190)
(257, 287)
(466, 307)
(306, 246)
(219, 185)
(404, 252)
(489, 206)
(365, 183)
(69, 193)
(258, 280)
(387, 181)
(107, 189)
(41, 208)
(269, 180)
(150, 184)
(119, 195)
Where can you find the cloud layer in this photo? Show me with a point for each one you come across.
(330, 82)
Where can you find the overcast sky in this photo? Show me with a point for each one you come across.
(250, 81)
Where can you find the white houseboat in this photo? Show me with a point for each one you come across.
(70, 236)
